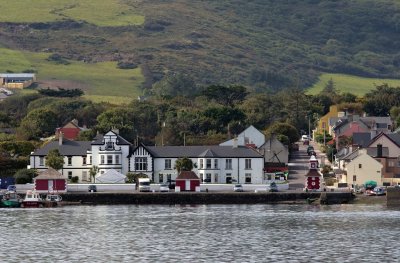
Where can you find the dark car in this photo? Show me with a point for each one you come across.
(11, 188)
(310, 149)
(92, 188)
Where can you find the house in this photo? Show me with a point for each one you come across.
(187, 181)
(274, 151)
(324, 120)
(16, 81)
(250, 137)
(49, 181)
(215, 164)
(362, 168)
(391, 141)
(352, 124)
(70, 130)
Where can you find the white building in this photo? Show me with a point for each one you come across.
(214, 164)
(250, 136)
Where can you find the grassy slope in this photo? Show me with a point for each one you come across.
(101, 13)
(346, 83)
(98, 80)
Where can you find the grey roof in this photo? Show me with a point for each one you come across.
(68, 148)
(361, 139)
(99, 140)
(199, 151)
(351, 155)
(395, 137)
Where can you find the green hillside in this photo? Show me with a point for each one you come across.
(266, 45)
(346, 83)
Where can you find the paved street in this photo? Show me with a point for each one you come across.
(298, 166)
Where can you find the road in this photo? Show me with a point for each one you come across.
(298, 166)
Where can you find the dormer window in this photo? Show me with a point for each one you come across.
(109, 145)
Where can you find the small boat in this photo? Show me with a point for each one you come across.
(32, 199)
(52, 200)
(11, 199)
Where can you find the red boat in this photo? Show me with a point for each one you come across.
(32, 199)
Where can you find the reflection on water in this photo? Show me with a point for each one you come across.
(206, 233)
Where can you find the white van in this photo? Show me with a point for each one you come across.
(144, 184)
(305, 138)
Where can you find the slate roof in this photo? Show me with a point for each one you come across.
(17, 75)
(373, 151)
(68, 148)
(361, 139)
(99, 140)
(214, 151)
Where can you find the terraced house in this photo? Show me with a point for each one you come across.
(213, 164)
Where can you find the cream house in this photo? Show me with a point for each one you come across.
(391, 141)
(363, 168)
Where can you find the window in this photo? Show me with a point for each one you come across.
(208, 163)
(201, 163)
(248, 178)
(83, 161)
(84, 176)
(228, 178)
(360, 165)
(168, 177)
(354, 178)
(69, 160)
(109, 145)
(69, 175)
(90, 159)
(117, 159)
(247, 164)
(216, 178)
(208, 178)
(201, 177)
(216, 164)
(160, 178)
(167, 164)
(228, 164)
(141, 164)
(101, 159)
(109, 159)
(391, 164)
(41, 161)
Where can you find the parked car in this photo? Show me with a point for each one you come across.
(164, 188)
(272, 187)
(238, 188)
(11, 188)
(379, 191)
(92, 188)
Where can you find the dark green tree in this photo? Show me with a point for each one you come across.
(55, 160)
(284, 129)
(183, 164)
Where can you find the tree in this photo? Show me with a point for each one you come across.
(93, 171)
(285, 129)
(55, 160)
(25, 176)
(183, 164)
(227, 96)
(173, 85)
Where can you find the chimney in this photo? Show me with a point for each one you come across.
(379, 151)
(235, 142)
(60, 138)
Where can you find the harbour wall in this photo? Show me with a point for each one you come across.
(194, 198)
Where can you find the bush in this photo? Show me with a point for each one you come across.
(25, 176)
(75, 179)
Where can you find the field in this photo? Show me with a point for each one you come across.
(101, 13)
(347, 83)
(100, 81)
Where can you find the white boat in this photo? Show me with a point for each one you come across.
(32, 199)
(52, 200)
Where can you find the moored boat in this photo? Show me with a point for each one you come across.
(52, 200)
(11, 199)
(32, 199)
